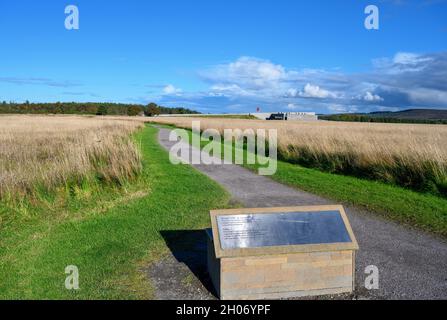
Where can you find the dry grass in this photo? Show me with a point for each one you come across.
(45, 152)
(410, 155)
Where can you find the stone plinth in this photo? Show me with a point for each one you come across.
(284, 271)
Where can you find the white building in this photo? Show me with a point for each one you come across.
(303, 116)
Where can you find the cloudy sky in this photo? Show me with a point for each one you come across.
(228, 56)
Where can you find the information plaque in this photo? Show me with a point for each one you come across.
(255, 231)
(269, 253)
(281, 229)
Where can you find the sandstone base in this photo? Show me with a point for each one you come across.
(281, 276)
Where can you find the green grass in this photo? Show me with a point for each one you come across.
(426, 177)
(110, 235)
(425, 211)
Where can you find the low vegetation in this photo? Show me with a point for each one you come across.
(410, 156)
(42, 154)
(111, 235)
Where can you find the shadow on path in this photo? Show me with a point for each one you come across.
(183, 273)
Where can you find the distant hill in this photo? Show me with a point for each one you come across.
(414, 114)
(431, 116)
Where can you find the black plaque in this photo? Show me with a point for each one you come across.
(281, 229)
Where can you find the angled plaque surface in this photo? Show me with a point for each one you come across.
(281, 229)
(243, 232)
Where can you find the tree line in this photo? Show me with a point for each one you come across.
(90, 108)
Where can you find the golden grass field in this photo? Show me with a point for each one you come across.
(51, 151)
(410, 155)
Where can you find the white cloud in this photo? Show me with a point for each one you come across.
(370, 97)
(248, 76)
(171, 90)
(227, 90)
(247, 72)
(339, 108)
(293, 93)
(423, 95)
(402, 62)
(408, 58)
(403, 80)
(255, 71)
(313, 91)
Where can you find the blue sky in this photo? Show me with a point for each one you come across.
(228, 56)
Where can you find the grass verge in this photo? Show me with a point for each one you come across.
(110, 236)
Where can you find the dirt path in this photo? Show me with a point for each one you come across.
(412, 264)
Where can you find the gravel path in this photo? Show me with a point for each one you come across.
(412, 264)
